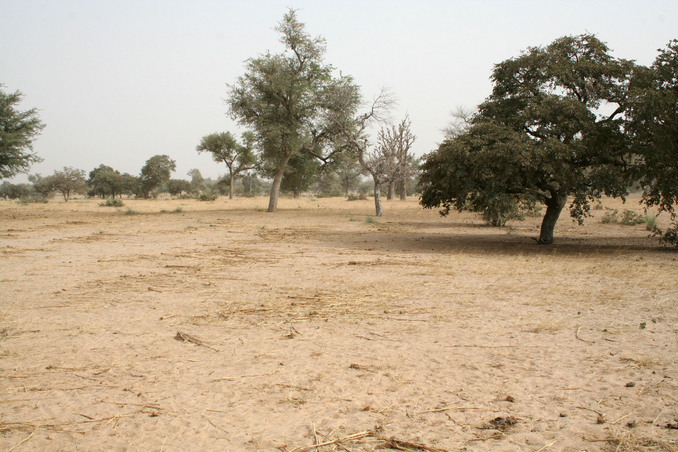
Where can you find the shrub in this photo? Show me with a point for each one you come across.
(207, 197)
(32, 200)
(359, 197)
(611, 216)
(112, 202)
(650, 222)
(630, 218)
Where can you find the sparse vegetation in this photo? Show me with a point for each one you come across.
(627, 217)
(376, 303)
(32, 200)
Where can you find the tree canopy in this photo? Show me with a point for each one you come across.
(653, 126)
(292, 101)
(68, 180)
(154, 173)
(553, 127)
(18, 129)
(237, 157)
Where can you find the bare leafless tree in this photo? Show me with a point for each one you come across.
(377, 160)
(460, 122)
(396, 141)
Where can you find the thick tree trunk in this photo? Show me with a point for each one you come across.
(297, 193)
(391, 190)
(377, 199)
(403, 190)
(548, 224)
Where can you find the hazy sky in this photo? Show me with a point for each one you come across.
(119, 81)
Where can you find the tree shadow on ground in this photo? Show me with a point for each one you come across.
(499, 243)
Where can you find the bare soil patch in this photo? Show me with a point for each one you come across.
(180, 325)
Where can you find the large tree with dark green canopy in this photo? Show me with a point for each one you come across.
(292, 101)
(552, 129)
(653, 126)
(18, 129)
(154, 173)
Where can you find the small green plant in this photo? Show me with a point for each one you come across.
(371, 220)
(643, 325)
(650, 222)
(610, 216)
(112, 202)
(130, 212)
(177, 210)
(630, 218)
(598, 206)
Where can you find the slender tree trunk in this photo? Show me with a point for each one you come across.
(548, 224)
(277, 180)
(377, 198)
(230, 186)
(275, 189)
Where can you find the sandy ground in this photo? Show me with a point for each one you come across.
(216, 326)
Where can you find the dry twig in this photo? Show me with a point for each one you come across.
(576, 334)
(21, 442)
(352, 437)
(246, 376)
(184, 337)
(449, 408)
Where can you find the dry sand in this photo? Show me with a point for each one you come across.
(217, 326)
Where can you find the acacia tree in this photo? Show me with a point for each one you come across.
(541, 136)
(653, 126)
(237, 157)
(292, 101)
(154, 173)
(18, 129)
(68, 180)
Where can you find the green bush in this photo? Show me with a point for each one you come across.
(207, 197)
(359, 197)
(112, 202)
(630, 218)
(611, 216)
(32, 200)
